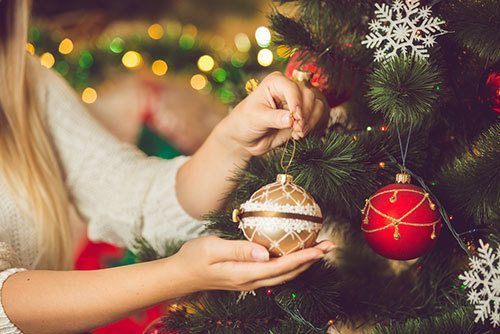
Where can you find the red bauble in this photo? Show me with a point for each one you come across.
(400, 221)
(306, 62)
(492, 94)
(157, 327)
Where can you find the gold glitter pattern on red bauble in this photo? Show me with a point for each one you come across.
(401, 222)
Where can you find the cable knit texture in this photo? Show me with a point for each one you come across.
(120, 192)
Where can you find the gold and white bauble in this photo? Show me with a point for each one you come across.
(281, 216)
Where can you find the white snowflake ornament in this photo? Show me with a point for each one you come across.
(403, 28)
(483, 281)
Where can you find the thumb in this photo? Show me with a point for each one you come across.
(241, 251)
(276, 118)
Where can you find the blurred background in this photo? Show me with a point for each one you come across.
(157, 73)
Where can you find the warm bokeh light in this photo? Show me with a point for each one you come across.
(66, 46)
(217, 43)
(265, 57)
(198, 81)
(242, 42)
(206, 63)
(132, 59)
(174, 29)
(89, 95)
(190, 29)
(156, 31)
(47, 60)
(263, 36)
(30, 48)
(159, 67)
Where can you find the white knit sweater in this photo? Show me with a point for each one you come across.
(119, 191)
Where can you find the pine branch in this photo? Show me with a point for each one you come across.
(470, 184)
(475, 25)
(220, 312)
(459, 321)
(404, 89)
(289, 32)
(313, 296)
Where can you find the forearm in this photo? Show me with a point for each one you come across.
(203, 180)
(75, 301)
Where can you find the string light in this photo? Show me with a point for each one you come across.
(219, 75)
(198, 81)
(383, 128)
(174, 29)
(159, 67)
(30, 48)
(186, 42)
(206, 63)
(155, 31)
(263, 36)
(47, 60)
(369, 128)
(117, 45)
(265, 57)
(190, 29)
(381, 164)
(238, 59)
(66, 46)
(86, 59)
(89, 95)
(132, 59)
(242, 42)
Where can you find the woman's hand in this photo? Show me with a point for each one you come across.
(211, 263)
(278, 109)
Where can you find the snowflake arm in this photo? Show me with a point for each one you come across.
(483, 282)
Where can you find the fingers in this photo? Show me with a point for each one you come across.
(326, 246)
(284, 90)
(287, 277)
(308, 105)
(220, 250)
(279, 266)
(275, 118)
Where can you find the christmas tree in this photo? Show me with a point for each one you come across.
(414, 88)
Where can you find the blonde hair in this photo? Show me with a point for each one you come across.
(27, 158)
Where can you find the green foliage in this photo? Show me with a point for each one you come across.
(470, 184)
(459, 321)
(404, 89)
(475, 25)
(220, 312)
(145, 252)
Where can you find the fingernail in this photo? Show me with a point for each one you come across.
(260, 254)
(286, 119)
(319, 256)
(298, 112)
(330, 248)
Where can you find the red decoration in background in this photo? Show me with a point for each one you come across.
(401, 222)
(101, 255)
(308, 63)
(492, 91)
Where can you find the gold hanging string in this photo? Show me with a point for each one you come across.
(292, 155)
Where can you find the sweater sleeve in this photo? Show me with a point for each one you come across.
(121, 192)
